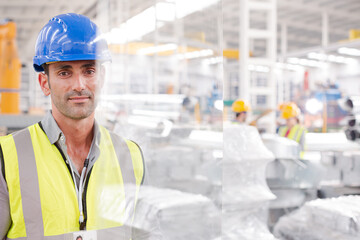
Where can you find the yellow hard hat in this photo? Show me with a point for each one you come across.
(240, 106)
(289, 110)
(282, 105)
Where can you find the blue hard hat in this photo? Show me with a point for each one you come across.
(69, 37)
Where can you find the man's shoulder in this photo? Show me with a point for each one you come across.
(10, 135)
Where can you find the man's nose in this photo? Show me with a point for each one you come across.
(79, 83)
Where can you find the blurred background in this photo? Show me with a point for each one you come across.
(179, 71)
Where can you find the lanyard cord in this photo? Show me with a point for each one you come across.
(80, 189)
(83, 173)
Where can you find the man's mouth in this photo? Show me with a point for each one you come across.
(79, 99)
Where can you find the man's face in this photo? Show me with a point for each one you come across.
(73, 87)
(290, 122)
(243, 116)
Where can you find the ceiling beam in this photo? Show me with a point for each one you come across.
(34, 3)
(312, 7)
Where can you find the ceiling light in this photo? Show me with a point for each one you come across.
(317, 56)
(258, 68)
(153, 98)
(165, 114)
(157, 49)
(213, 60)
(306, 62)
(330, 58)
(187, 7)
(196, 54)
(349, 51)
(289, 66)
(145, 22)
(165, 11)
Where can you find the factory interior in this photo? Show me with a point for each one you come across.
(181, 73)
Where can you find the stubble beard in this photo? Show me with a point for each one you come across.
(76, 111)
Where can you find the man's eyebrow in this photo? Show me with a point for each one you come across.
(87, 65)
(63, 66)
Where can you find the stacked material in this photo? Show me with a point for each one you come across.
(185, 168)
(323, 219)
(245, 192)
(349, 163)
(174, 215)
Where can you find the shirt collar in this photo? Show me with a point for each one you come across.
(51, 128)
(53, 131)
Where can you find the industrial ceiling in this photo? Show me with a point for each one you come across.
(302, 18)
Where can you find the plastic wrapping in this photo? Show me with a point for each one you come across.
(322, 219)
(245, 183)
(244, 164)
(281, 147)
(178, 167)
(243, 143)
(247, 224)
(245, 193)
(175, 215)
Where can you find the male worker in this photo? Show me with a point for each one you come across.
(292, 130)
(240, 108)
(67, 174)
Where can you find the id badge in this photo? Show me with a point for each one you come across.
(85, 235)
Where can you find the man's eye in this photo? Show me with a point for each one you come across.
(90, 71)
(63, 73)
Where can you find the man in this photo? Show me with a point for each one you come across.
(240, 108)
(292, 130)
(67, 174)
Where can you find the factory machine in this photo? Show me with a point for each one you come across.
(11, 118)
(10, 68)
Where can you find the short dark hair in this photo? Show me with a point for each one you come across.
(238, 113)
(79, 237)
(46, 71)
(46, 68)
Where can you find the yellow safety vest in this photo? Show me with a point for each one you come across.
(42, 196)
(296, 132)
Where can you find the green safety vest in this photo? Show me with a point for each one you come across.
(42, 196)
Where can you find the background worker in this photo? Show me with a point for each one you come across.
(293, 129)
(240, 108)
(67, 173)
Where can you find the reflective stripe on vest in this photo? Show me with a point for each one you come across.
(42, 193)
(295, 133)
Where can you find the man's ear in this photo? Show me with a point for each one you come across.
(44, 83)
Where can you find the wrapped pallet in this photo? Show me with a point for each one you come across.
(166, 214)
(322, 219)
(245, 195)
